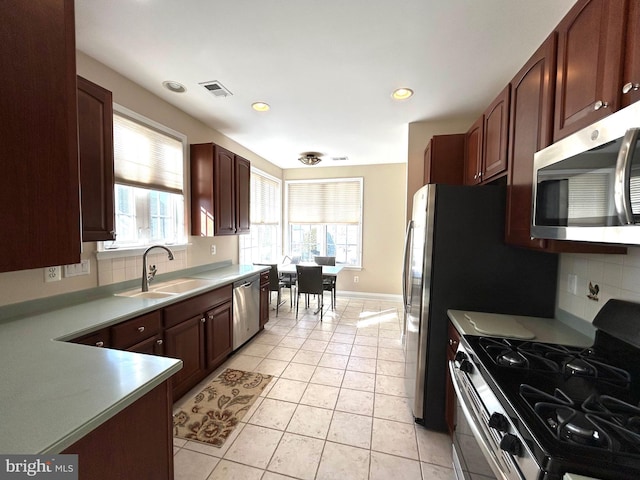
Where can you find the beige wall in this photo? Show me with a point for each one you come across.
(384, 193)
(384, 197)
(29, 284)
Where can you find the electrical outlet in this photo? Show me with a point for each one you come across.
(356, 279)
(52, 274)
(213, 249)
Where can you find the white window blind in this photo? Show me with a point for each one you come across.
(145, 157)
(265, 200)
(325, 201)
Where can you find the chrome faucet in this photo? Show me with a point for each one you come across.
(146, 278)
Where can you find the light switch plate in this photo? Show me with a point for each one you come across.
(82, 268)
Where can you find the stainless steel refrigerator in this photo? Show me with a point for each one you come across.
(455, 258)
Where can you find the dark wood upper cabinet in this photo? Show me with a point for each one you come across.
(631, 76)
(220, 191)
(496, 129)
(473, 153)
(444, 159)
(39, 173)
(589, 64)
(243, 195)
(531, 118)
(224, 188)
(95, 140)
(532, 93)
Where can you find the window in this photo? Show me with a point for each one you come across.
(149, 166)
(263, 244)
(325, 218)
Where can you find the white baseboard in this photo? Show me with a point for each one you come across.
(387, 297)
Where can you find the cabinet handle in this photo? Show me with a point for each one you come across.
(159, 342)
(630, 86)
(600, 104)
(203, 320)
(210, 316)
(141, 329)
(452, 342)
(100, 344)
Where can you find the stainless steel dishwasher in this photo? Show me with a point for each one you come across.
(246, 309)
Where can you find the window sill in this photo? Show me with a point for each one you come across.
(133, 251)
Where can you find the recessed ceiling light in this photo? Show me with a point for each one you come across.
(175, 87)
(402, 93)
(260, 106)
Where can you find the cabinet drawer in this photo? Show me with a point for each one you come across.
(174, 314)
(264, 279)
(101, 338)
(136, 330)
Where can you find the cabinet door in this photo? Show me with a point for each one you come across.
(95, 142)
(243, 195)
(202, 189)
(496, 128)
(264, 300)
(473, 153)
(39, 173)
(444, 159)
(218, 331)
(631, 77)
(186, 342)
(589, 65)
(224, 192)
(531, 129)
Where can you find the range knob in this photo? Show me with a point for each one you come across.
(511, 444)
(460, 356)
(499, 422)
(466, 366)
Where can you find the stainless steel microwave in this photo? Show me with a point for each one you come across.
(587, 186)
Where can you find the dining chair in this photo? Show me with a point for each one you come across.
(329, 283)
(309, 283)
(275, 283)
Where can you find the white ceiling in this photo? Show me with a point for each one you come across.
(326, 67)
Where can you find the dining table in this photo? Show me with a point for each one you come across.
(328, 271)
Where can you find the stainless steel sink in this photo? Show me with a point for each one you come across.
(150, 294)
(182, 285)
(167, 289)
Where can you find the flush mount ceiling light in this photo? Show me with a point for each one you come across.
(260, 107)
(310, 158)
(402, 93)
(175, 87)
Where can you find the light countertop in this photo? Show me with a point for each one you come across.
(54, 392)
(547, 330)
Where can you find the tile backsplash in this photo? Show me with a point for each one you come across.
(611, 276)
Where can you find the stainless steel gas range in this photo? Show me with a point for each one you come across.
(540, 411)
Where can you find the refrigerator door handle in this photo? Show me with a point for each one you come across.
(406, 269)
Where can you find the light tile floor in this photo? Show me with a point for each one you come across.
(336, 409)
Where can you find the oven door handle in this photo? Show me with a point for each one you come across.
(476, 428)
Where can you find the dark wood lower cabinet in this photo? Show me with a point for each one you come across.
(218, 335)
(264, 299)
(185, 341)
(136, 444)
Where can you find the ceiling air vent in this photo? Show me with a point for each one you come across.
(339, 159)
(216, 89)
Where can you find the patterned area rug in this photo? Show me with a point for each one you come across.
(211, 415)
